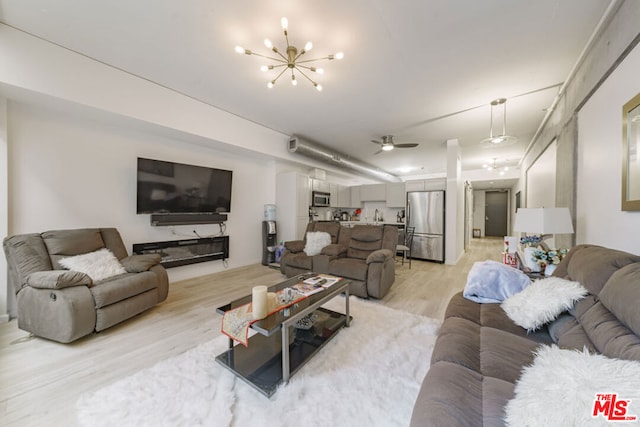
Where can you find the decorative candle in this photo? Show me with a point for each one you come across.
(259, 302)
(271, 301)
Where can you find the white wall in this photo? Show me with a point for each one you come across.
(67, 171)
(599, 217)
(541, 180)
(5, 292)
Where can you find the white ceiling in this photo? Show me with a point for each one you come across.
(423, 71)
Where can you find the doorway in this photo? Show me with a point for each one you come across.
(496, 213)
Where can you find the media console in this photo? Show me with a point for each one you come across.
(183, 252)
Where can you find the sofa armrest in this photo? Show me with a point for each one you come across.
(57, 279)
(334, 250)
(140, 263)
(381, 255)
(294, 246)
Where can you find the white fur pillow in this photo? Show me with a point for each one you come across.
(316, 240)
(542, 301)
(98, 265)
(561, 386)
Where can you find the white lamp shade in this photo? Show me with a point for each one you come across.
(543, 221)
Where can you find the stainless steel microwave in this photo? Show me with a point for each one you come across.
(320, 199)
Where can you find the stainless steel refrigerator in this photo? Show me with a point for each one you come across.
(425, 212)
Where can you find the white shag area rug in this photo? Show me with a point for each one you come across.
(368, 375)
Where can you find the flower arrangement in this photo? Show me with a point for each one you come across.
(530, 240)
(550, 257)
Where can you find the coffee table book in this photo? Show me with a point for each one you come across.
(277, 349)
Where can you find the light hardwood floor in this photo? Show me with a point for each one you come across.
(40, 381)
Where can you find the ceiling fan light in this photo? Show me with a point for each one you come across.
(387, 147)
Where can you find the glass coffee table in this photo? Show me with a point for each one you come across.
(279, 348)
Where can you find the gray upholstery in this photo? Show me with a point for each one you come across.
(63, 305)
(364, 254)
(479, 353)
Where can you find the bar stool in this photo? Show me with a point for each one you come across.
(405, 248)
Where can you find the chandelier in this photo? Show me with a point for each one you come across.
(501, 138)
(493, 167)
(291, 61)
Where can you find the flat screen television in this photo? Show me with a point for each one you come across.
(168, 187)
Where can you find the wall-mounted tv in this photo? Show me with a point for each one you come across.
(168, 187)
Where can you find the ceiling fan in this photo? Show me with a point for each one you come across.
(387, 144)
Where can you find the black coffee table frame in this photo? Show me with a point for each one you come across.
(278, 349)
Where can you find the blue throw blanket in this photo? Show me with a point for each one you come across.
(493, 282)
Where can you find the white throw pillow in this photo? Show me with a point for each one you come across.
(542, 301)
(98, 265)
(561, 387)
(316, 240)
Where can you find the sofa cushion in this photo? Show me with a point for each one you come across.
(316, 241)
(502, 355)
(351, 268)
(609, 336)
(57, 279)
(140, 263)
(576, 338)
(299, 260)
(542, 301)
(593, 265)
(560, 388)
(120, 288)
(64, 243)
(98, 265)
(621, 296)
(451, 396)
(458, 342)
(333, 228)
(364, 240)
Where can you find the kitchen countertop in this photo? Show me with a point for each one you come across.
(351, 223)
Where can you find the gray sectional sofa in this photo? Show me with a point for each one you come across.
(364, 254)
(480, 353)
(64, 305)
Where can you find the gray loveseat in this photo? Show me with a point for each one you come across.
(64, 305)
(480, 353)
(364, 254)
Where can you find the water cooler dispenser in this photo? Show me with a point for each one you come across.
(269, 242)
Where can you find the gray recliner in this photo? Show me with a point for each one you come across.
(364, 254)
(295, 261)
(369, 261)
(64, 305)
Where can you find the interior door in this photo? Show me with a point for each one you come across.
(496, 211)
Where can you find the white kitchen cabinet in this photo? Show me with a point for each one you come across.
(373, 193)
(344, 196)
(416, 185)
(333, 191)
(395, 195)
(356, 201)
(292, 205)
(426, 184)
(319, 185)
